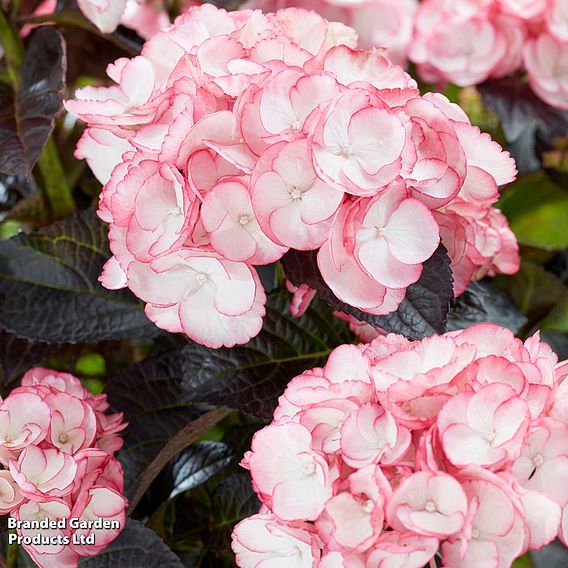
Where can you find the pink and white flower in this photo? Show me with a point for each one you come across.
(228, 217)
(294, 479)
(485, 428)
(542, 464)
(73, 423)
(546, 61)
(294, 207)
(98, 502)
(264, 539)
(236, 136)
(428, 504)
(41, 474)
(105, 14)
(10, 494)
(24, 420)
(212, 300)
(395, 549)
(58, 449)
(360, 144)
(397, 449)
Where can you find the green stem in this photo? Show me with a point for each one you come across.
(13, 48)
(12, 554)
(16, 7)
(57, 194)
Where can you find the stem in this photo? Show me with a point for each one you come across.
(16, 6)
(13, 49)
(57, 193)
(12, 555)
(182, 440)
(433, 563)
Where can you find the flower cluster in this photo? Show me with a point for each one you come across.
(468, 41)
(57, 446)
(396, 450)
(237, 136)
(378, 23)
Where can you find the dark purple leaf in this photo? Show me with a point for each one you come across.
(529, 124)
(423, 312)
(27, 117)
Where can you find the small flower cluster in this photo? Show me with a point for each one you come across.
(378, 23)
(237, 136)
(57, 446)
(397, 450)
(468, 41)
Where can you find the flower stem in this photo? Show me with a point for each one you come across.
(57, 192)
(13, 49)
(12, 555)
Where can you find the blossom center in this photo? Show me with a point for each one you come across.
(538, 460)
(296, 126)
(310, 468)
(63, 438)
(201, 277)
(380, 232)
(244, 220)
(295, 193)
(490, 436)
(430, 507)
(8, 439)
(368, 506)
(345, 151)
(475, 533)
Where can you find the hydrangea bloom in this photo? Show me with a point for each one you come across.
(468, 41)
(378, 23)
(57, 446)
(236, 136)
(399, 449)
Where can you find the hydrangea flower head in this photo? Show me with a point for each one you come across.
(237, 136)
(57, 448)
(398, 450)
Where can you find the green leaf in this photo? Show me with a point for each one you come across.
(523, 562)
(537, 210)
(92, 365)
(135, 546)
(251, 377)
(535, 290)
(557, 319)
(423, 312)
(49, 289)
(27, 117)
